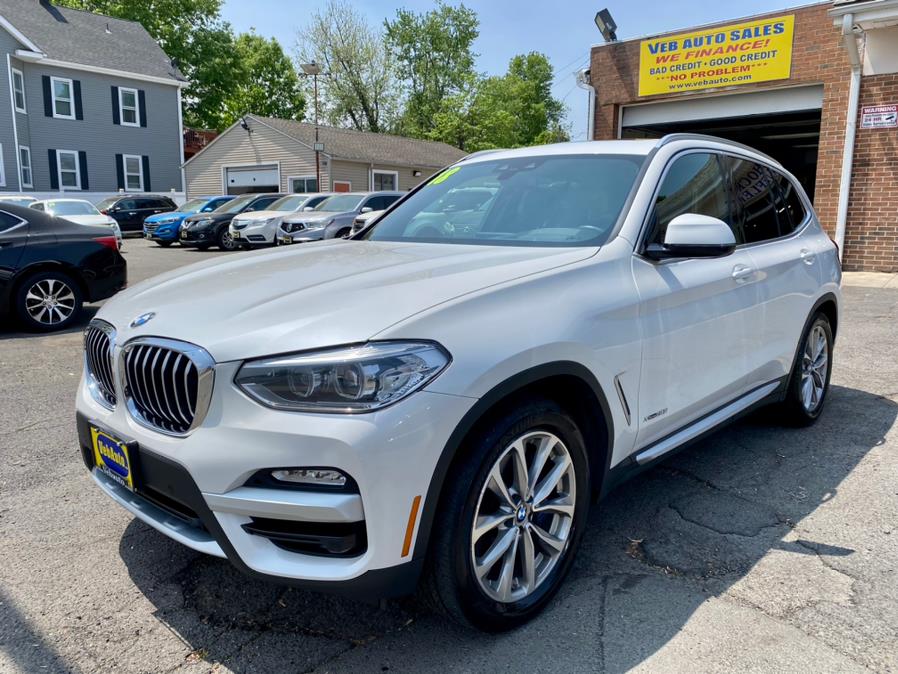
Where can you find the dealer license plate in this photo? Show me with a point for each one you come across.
(112, 457)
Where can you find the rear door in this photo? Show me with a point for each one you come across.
(775, 225)
(699, 315)
(13, 239)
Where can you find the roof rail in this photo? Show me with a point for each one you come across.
(672, 137)
(480, 153)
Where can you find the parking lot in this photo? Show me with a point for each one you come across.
(762, 548)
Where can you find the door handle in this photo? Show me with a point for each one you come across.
(807, 256)
(742, 272)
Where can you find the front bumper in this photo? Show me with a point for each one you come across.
(167, 232)
(197, 237)
(194, 489)
(258, 235)
(302, 236)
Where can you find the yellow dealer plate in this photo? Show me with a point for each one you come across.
(111, 456)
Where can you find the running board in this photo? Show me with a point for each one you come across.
(705, 424)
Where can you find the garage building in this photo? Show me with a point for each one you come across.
(816, 87)
(264, 154)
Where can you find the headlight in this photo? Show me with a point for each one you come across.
(318, 224)
(346, 379)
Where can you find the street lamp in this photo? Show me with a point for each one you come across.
(314, 70)
(606, 25)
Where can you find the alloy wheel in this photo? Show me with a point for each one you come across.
(226, 241)
(814, 367)
(50, 301)
(524, 517)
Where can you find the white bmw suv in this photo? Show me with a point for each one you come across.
(437, 404)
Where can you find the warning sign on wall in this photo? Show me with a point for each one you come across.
(879, 116)
(754, 51)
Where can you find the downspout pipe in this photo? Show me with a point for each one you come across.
(849, 39)
(584, 81)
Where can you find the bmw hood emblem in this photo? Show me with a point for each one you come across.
(143, 319)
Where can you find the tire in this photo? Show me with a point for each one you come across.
(225, 242)
(451, 585)
(343, 233)
(809, 383)
(48, 301)
(164, 244)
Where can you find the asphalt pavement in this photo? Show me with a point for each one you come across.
(761, 549)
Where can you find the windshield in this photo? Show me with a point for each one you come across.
(106, 203)
(340, 203)
(24, 202)
(70, 208)
(292, 202)
(193, 205)
(554, 200)
(235, 205)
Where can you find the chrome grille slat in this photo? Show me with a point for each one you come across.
(98, 341)
(168, 384)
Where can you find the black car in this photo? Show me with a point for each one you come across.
(50, 266)
(211, 229)
(130, 210)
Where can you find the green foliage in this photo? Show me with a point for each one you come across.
(358, 81)
(514, 110)
(227, 74)
(434, 59)
(268, 84)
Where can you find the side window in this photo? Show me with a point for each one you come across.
(792, 203)
(756, 195)
(148, 203)
(694, 183)
(375, 203)
(127, 205)
(38, 207)
(7, 221)
(388, 201)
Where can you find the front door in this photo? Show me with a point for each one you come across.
(13, 239)
(699, 315)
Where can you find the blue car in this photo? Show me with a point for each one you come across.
(163, 228)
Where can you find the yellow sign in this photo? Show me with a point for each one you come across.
(754, 51)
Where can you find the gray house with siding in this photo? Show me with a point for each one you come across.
(91, 105)
(264, 154)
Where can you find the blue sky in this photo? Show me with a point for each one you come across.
(563, 29)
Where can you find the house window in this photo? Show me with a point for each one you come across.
(69, 171)
(63, 104)
(303, 184)
(384, 180)
(128, 109)
(18, 88)
(25, 162)
(133, 166)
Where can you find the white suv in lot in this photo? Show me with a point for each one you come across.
(439, 405)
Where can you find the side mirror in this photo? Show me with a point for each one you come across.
(367, 209)
(308, 208)
(694, 235)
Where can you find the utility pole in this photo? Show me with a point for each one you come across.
(314, 70)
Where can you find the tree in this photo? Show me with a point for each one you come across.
(434, 58)
(225, 73)
(267, 83)
(359, 84)
(513, 110)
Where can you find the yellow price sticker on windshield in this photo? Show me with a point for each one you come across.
(445, 174)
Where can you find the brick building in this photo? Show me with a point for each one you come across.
(821, 80)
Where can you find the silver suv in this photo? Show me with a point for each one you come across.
(332, 219)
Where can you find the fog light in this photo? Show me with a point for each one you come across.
(319, 476)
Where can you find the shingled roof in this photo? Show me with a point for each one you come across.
(365, 146)
(75, 36)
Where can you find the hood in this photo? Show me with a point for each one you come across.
(213, 216)
(95, 220)
(255, 216)
(170, 215)
(315, 216)
(316, 295)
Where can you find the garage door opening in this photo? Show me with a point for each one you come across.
(255, 179)
(783, 122)
(790, 138)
